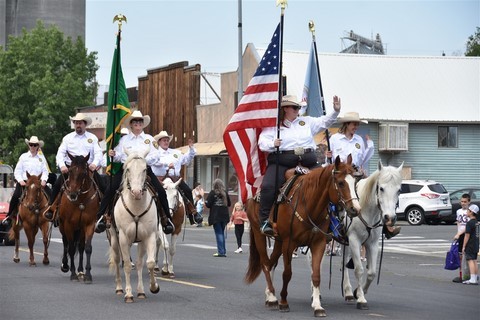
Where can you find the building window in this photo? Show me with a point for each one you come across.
(447, 137)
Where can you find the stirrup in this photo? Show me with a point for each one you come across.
(100, 226)
(266, 229)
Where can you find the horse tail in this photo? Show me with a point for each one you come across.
(254, 267)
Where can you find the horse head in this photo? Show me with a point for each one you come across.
(135, 173)
(78, 176)
(173, 195)
(345, 186)
(387, 191)
(33, 192)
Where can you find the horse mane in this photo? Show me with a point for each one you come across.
(386, 175)
(313, 181)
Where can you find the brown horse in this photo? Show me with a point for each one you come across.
(77, 211)
(177, 210)
(302, 221)
(29, 211)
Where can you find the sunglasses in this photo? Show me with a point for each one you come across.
(295, 107)
(33, 145)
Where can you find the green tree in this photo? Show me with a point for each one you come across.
(44, 77)
(473, 44)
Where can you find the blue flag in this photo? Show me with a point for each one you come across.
(311, 90)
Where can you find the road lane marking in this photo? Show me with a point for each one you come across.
(186, 283)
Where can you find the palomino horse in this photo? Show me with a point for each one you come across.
(77, 211)
(378, 198)
(302, 221)
(135, 220)
(177, 210)
(31, 217)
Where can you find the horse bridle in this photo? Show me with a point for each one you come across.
(129, 186)
(35, 208)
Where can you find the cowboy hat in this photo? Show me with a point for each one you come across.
(163, 134)
(82, 117)
(290, 100)
(34, 140)
(350, 117)
(137, 114)
(124, 131)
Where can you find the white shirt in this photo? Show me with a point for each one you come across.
(342, 147)
(143, 143)
(298, 133)
(79, 145)
(34, 165)
(462, 220)
(165, 157)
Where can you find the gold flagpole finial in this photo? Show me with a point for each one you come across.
(120, 18)
(282, 3)
(311, 26)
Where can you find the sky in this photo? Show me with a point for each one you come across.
(161, 32)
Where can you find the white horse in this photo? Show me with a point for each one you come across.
(177, 210)
(135, 220)
(378, 198)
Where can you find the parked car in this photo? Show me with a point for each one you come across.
(451, 217)
(6, 191)
(423, 201)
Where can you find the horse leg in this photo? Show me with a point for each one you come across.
(317, 252)
(140, 256)
(287, 249)
(114, 260)
(372, 255)
(171, 253)
(347, 286)
(154, 287)
(166, 254)
(271, 300)
(16, 232)
(30, 232)
(65, 268)
(355, 247)
(157, 250)
(88, 252)
(127, 266)
(80, 236)
(45, 228)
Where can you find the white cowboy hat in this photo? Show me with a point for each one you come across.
(124, 131)
(290, 100)
(34, 140)
(137, 114)
(350, 117)
(82, 117)
(163, 134)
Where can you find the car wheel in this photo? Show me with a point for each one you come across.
(415, 216)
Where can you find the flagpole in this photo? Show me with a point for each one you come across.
(311, 27)
(283, 4)
(120, 18)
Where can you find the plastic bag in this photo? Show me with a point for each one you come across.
(452, 260)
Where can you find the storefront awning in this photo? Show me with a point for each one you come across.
(207, 148)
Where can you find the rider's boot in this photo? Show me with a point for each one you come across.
(167, 225)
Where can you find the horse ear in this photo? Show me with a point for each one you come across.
(349, 159)
(28, 175)
(380, 164)
(70, 156)
(40, 176)
(87, 157)
(401, 167)
(337, 160)
(178, 182)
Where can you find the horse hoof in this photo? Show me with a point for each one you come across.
(320, 313)
(283, 308)
(64, 268)
(156, 289)
(156, 269)
(349, 299)
(171, 275)
(271, 304)
(16, 260)
(128, 299)
(362, 306)
(141, 296)
(74, 277)
(119, 292)
(164, 273)
(33, 264)
(46, 262)
(87, 279)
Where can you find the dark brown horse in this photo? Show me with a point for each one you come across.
(77, 211)
(302, 221)
(33, 204)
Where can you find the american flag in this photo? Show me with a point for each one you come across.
(257, 109)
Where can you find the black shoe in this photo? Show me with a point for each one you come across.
(198, 219)
(266, 229)
(168, 228)
(6, 221)
(48, 214)
(100, 226)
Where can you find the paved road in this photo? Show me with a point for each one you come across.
(413, 284)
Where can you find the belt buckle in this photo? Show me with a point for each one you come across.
(299, 151)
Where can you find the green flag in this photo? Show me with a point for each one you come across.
(118, 108)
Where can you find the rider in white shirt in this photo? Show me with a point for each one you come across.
(170, 162)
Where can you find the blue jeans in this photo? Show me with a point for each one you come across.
(219, 229)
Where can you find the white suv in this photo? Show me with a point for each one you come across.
(422, 201)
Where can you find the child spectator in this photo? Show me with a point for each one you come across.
(199, 204)
(461, 222)
(239, 217)
(470, 244)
